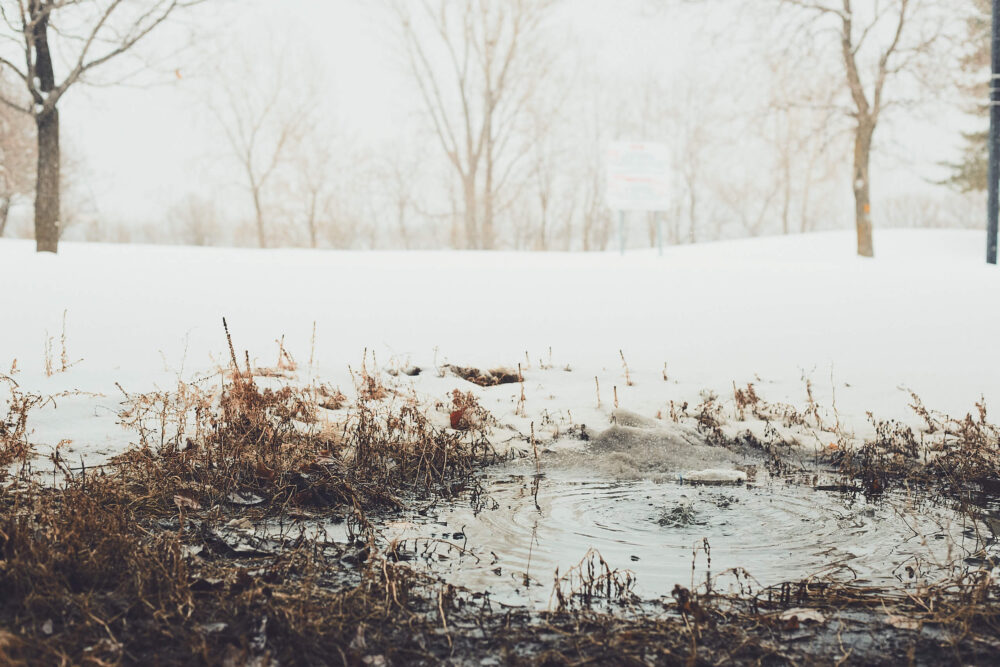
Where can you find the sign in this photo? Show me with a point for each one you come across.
(638, 176)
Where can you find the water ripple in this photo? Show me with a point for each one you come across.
(777, 531)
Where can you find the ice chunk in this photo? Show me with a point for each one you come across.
(715, 476)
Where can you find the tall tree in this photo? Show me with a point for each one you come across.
(876, 43)
(476, 63)
(970, 173)
(266, 109)
(17, 154)
(86, 35)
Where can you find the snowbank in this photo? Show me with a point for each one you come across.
(923, 316)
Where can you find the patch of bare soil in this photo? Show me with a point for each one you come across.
(486, 378)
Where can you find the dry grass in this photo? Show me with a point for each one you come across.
(134, 562)
(952, 456)
(15, 447)
(89, 578)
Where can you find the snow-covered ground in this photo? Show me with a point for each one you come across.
(923, 315)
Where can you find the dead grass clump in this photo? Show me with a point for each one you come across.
(489, 378)
(86, 579)
(133, 563)
(251, 441)
(14, 444)
(891, 456)
(78, 575)
(467, 414)
(745, 398)
(330, 398)
(202, 450)
(710, 420)
(969, 451)
(403, 449)
(953, 455)
(592, 580)
(781, 413)
(370, 388)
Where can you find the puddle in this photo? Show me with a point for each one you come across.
(775, 529)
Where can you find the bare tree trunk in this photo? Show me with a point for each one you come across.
(456, 232)
(804, 223)
(488, 240)
(862, 186)
(4, 211)
(312, 220)
(88, 38)
(401, 223)
(471, 231)
(542, 242)
(259, 214)
(868, 100)
(693, 214)
(605, 233)
(47, 189)
(786, 200)
(47, 122)
(488, 237)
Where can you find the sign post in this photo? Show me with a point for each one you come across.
(638, 180)
(621, 232)
(659, 233)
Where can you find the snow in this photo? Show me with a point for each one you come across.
(921, 316)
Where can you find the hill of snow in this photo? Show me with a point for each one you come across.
(923, 315)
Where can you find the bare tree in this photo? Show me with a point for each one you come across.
(748, 202)
(589, 175)
(18, 155)
(688, 121)
(76, 199)
(265, 114)
(554, 198)
(196, 220)
(397, 175)
(313, 179)
(86, 34)
(476, 63)
(876, 43)
(800, 126)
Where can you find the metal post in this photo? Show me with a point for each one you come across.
(993, 173)
(621, 227)
(659, 231)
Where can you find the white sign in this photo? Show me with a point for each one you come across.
(638, 176)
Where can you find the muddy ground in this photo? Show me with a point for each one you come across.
(200, 548)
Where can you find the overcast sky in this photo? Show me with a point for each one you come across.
(146, 146)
